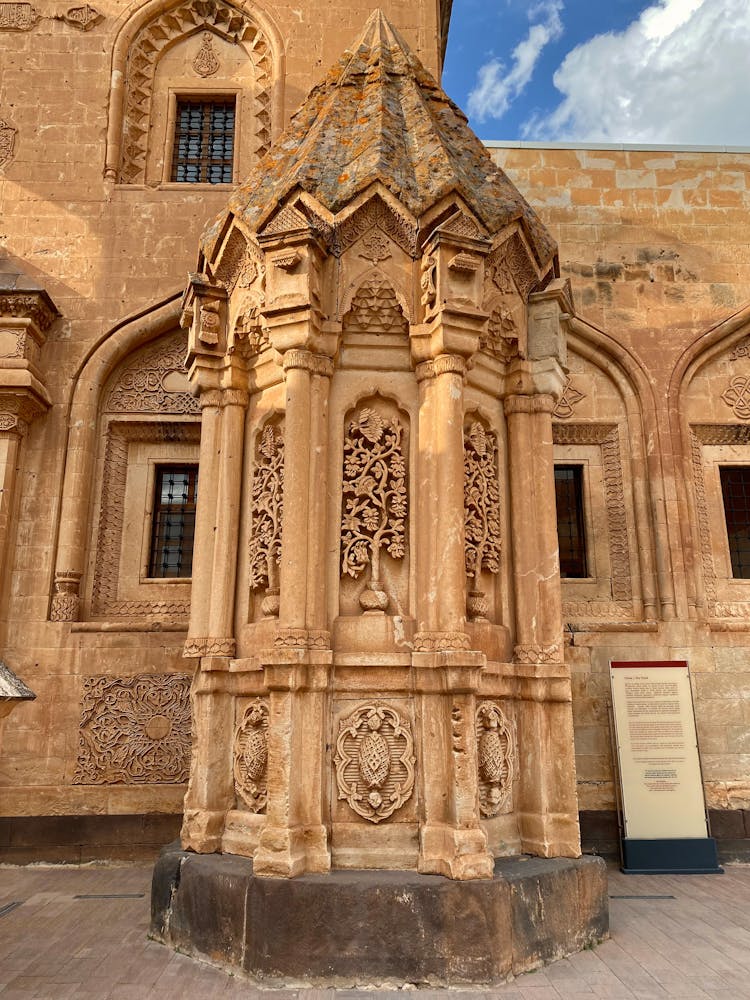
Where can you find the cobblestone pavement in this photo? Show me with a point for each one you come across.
(81, 933)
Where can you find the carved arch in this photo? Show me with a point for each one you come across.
(687, 442)
(88, 384)
(146, 36)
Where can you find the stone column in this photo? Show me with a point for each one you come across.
(297, 672)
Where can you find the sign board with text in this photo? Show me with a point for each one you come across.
(657, 746)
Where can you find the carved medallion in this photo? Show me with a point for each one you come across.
(83, 17)
(566, 403)
(481, 513)
(7, 142)
(495, 752)
(206, 62)
(266, 515)
(374, 761)
(251, 756)
(375, 501)
(18, 16)
(737, 396)
(134, 730)
(741, 350)
(375, 246)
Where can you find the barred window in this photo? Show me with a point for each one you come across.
(204, 141)
(571, 535)
(735, 491)
(173, 526)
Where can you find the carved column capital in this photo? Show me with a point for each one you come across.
(441, 365)
(543, 403)
(66, 602)
(316, 364)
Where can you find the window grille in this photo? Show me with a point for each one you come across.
(173, 526)
(735, 491)
(204, 141)
(571, 534)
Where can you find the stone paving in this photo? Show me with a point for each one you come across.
(81, 933)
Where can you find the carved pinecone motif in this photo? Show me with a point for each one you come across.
(255, 754)
(495, 758)
(490, 756)
(374, 760)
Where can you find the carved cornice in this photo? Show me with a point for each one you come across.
(18, 409)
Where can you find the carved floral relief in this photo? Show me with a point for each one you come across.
(156, 381)
(374, 761)
(251, 756)
(374, 500)
(134, 730)
(481, 514)
(266, 515)
(495, 755)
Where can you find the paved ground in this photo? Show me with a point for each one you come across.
(693, 942)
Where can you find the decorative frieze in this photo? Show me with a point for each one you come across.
(266, 516)
(374, 761)
(535, 653)
(251, 756)
(481, 513)
(373, 517)
(495, 758)
(438, 642)
(208, 646)
(134, 730)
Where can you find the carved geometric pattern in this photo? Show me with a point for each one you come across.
(375, 309)
(112, 513)
(607, 436)
(374, 489)
(737, 396)
(134, 730)
(511, 258)
(218, 16)
(461, 224)
(375, 246)
(155, 382)
(251, 756)
(481, 502)
(374, 761)
(18, 16)
(267, 509)
(7, 141)
(288, 220)
(535, 653)
(495, 755)
(567, 401)
(375, 213)
(741, 350)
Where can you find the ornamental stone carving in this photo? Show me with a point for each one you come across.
(481, 513)
(66, 602)
(567, 401)
(375, 309)
(18, 16)
(83, 17)
(206, 62)
(7, 141)
(495, 754)
(375, 502)
(737, 396)
(266, 515)
(156, 381)
(374, 761)
(134, 730)
(251, 756)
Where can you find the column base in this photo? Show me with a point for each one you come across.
(550, 835)
(285, 852)
(456, 854)
(202, 830)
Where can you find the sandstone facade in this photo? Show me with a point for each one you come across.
(94, 397)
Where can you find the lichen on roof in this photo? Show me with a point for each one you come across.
(379, 116)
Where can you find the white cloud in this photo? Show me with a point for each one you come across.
(677, 74)
(496, 89)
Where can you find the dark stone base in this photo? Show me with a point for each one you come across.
(378, 927)
(80, 839)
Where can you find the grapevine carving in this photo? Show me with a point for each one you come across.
(374, 761)
(481, 512)
(266, 514)
(375, 501)
(251, 756)
(495, 753)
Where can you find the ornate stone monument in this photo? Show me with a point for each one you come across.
(376, 340)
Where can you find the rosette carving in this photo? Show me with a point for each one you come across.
(251, 756)
(495, 753)
(374, 761)
(375, 500)
(266, 514)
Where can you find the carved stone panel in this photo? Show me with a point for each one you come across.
(266, 516)
(495, 755)
(83, 17)
(18, 16)
(374, 761)
(134, 730)
(481, 513)
(251, 756)
(374, 510)
(7, 141)
(155, 382)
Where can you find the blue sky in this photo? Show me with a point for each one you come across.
(668, 71)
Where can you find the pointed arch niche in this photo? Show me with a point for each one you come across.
(193, 49)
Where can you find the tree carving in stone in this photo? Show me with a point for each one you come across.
(251, 756)
(481, 514)
(266, 513)
(375, 502)
(134, 730)
(374, 761)
(495, 752)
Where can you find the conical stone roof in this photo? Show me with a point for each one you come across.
(380, 116)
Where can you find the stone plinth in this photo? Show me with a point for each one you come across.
(352, 928)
